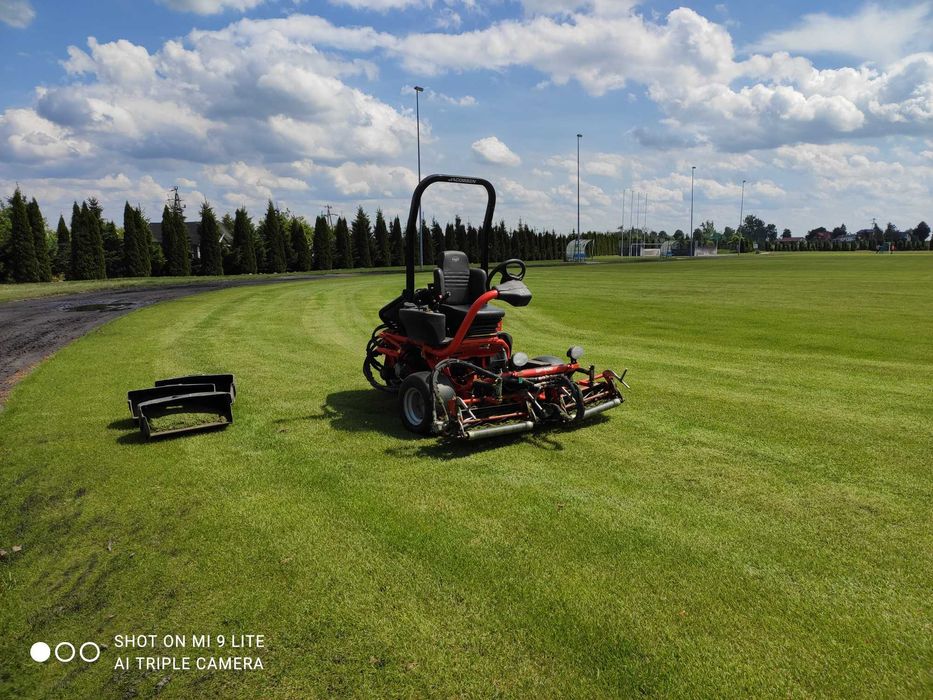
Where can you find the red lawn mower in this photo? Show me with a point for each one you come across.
(443, 350)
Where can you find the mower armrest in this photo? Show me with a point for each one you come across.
(514, 292)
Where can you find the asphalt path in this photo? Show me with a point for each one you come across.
(33, 329)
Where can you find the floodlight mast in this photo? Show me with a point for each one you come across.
(741, 215)
(623, 221)
(418, 91)
(693, 243)
(579, 136)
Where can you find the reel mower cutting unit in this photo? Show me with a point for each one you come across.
(443, 351)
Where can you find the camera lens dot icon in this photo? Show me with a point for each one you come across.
(40, 652)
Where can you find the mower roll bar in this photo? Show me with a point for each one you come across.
(411, 229)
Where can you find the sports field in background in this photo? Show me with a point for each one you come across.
(755, 521)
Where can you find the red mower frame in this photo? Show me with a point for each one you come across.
(471, 385)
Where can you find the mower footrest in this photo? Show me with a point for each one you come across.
(221, 382)
(218, 403)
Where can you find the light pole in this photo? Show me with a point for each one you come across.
(418, 91)
(741, 214)
(579, 136)
(693, 169)
(622, 251)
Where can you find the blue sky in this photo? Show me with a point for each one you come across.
(825, 109)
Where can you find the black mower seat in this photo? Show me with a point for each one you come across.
(485, 323)
(462, 285)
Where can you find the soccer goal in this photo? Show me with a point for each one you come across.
(706, 251)
(644, 250)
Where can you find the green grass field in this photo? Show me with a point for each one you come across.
(755, 521)
(15, 292)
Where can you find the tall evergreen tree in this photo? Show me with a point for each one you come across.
(300, 247)
(396, 244)
(40, 242)
(244, 251)
(437, 239)
(427, 241)
(113, 250)
(80, 264)
(168, 239)
(383, 256)
(209, 235)
(95, 229)
(85, 261)
(343, 253)
(175, 243)
(274, 238)
(361, 234)
(132, 260)
(62, 262)
(168, 242)
(182, 249)
(285, 226)
(323, 245)
(144, 242)
(23, 264)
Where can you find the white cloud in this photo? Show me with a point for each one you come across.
(379, 5)
(257, 179)
(689, 66)
(434, 96)
(873, 32)
(17, 13)
(370, 180)
(448, 19)
(27, 137)
(492, 150)
(210, 7)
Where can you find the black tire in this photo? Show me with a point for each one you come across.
(414, 403)
(379, 375)
(507, 338)
(571, 397)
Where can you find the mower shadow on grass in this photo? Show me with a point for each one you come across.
(362, 410)
(122, 424)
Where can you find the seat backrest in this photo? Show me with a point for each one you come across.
(458, 280)
(456, 268)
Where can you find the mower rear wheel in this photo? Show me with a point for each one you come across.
(414, 403)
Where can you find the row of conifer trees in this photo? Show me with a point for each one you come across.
(93, 248)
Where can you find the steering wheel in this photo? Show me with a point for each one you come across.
(503, 270)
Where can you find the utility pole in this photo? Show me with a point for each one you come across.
(418, 91)
(741, 215)
(646, 213)
(693, 169)
(622, 252)
(631, 220)
(329, 216)
(579, 136)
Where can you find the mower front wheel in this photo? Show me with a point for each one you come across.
(414, 403)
